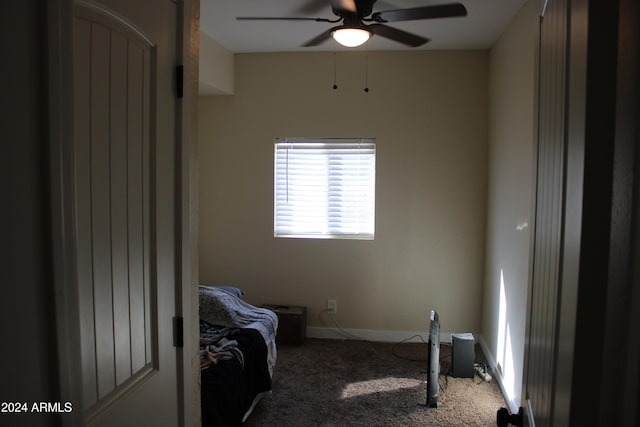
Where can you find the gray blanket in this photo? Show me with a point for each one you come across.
(218, 307)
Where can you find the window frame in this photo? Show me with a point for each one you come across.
(357, 153)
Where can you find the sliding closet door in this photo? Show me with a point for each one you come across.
(583, 356)
(558, 213)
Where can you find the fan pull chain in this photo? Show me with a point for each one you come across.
(366, 73)
(335, 72)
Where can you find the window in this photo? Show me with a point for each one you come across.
(325, 188)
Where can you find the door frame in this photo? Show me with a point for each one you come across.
(188, 359)
(63, 251)
(67, 381)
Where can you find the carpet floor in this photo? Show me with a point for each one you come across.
(356, 383)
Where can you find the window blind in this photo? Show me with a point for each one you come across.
(325, 188)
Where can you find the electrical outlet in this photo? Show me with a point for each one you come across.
(332, 306)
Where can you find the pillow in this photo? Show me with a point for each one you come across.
(236, 292)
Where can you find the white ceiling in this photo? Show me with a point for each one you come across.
(482, 26)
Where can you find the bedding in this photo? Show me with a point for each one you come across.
(229, 387)
(238, 355)
(231, 289)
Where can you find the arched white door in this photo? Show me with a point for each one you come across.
(125, 175)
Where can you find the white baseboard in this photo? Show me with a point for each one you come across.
(373, 335)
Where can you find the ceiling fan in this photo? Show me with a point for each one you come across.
(353, 16)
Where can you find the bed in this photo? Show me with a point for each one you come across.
(237, 355)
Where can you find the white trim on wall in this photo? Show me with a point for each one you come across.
(374, 335)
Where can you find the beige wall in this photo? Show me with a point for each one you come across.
(510, 185)
(216, 74)
(428, 112)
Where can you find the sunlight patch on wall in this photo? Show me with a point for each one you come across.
(502, 323)
(508, 373)
(504, 353)
(382, 385)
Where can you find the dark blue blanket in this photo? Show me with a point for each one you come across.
(227, 388)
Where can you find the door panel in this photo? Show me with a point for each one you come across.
(125, 172)
(547, 252)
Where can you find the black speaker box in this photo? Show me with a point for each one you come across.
(463, 355)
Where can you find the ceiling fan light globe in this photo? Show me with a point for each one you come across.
(351, 37)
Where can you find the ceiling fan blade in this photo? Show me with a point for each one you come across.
(397, 35)
(322, 37)
(312, 7)
(282, 18)
(449, 10)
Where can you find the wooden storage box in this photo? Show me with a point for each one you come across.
(292, 323)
